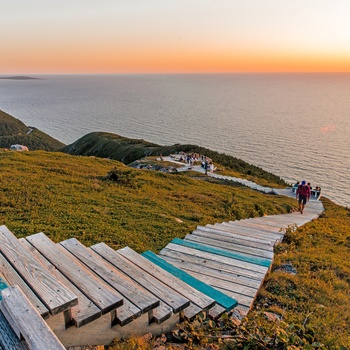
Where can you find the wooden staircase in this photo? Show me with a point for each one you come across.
(93, 295)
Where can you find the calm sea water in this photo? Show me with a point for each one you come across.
(294, 125)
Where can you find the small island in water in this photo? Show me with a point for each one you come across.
(19, 77)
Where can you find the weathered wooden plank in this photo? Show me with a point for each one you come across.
(241, 298)
(235, 247)
(12, 278)
(51, 292)
(226, 264)
(261, 262)
(195, 295)
(257, 231)
(216, 311)
(262, 225)
(275, 224)
(126, 313)
(224, 237)
(226, 285)
(83, 313)
(154, 286)
(216, 281)
(191, 312)
(100, 293)
(28, 321)
(8, 338)
(137, 295)
(244, 232)
(160, 314)
(207, 270)
(221, 299)
(227, 231)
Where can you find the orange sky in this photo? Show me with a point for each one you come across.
(174, 36)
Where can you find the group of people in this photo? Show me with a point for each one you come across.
(191, 158)
(303, 193)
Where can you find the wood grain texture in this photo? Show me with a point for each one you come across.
(55, 296)
(209, 270)
(227, 264)
(83, 313)
(12, 278)
(260, 264)
(246, 238)
(170, 297)
(132, 291)
(234, 247)
(95, 289)
(195, 296)
(28, 321)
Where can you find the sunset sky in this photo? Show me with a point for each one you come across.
(144, 36)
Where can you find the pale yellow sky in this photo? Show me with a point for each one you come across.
(134, 36)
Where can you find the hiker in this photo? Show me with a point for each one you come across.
(303, 195)
(206, 164)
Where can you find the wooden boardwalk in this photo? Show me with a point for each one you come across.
(91, 295)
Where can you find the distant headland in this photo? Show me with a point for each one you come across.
(19, 77)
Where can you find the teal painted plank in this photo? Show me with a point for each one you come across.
(222, 252)
(222, 299)
(3, 285)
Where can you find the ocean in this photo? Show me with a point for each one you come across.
(294, 125)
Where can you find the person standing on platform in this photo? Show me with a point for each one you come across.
(303, 194)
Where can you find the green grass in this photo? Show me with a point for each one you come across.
(318, 295)
(68, 196)
(112, 146)
(13, 131)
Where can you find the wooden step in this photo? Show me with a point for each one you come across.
(83, 313)
(261, 230)
(12, 278)
(222, 284)
(169, 297)
(26, 321)
(202, 300)
(8, 338)
(225, 235)
(95, 289)
(50, 291)
(227, 264)
(219, 298)
(248, 232)
(191, 265)
(241, 298)
(130, 290)
(261, 262)
(234, 247)
(160, 314)
(216, 311)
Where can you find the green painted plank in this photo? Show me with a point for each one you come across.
(3, 285)
(223, 252)
(222, 299)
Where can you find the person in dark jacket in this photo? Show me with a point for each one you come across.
(303, 194)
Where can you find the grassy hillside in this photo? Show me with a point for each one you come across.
(67, 196)
(13, 131)
(11, 126)
(112, 146)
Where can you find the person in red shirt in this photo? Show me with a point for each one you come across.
(303, 194)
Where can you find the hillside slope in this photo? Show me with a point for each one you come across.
(112, 146)
(13, 131)
(11, 126)
(68, 196)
